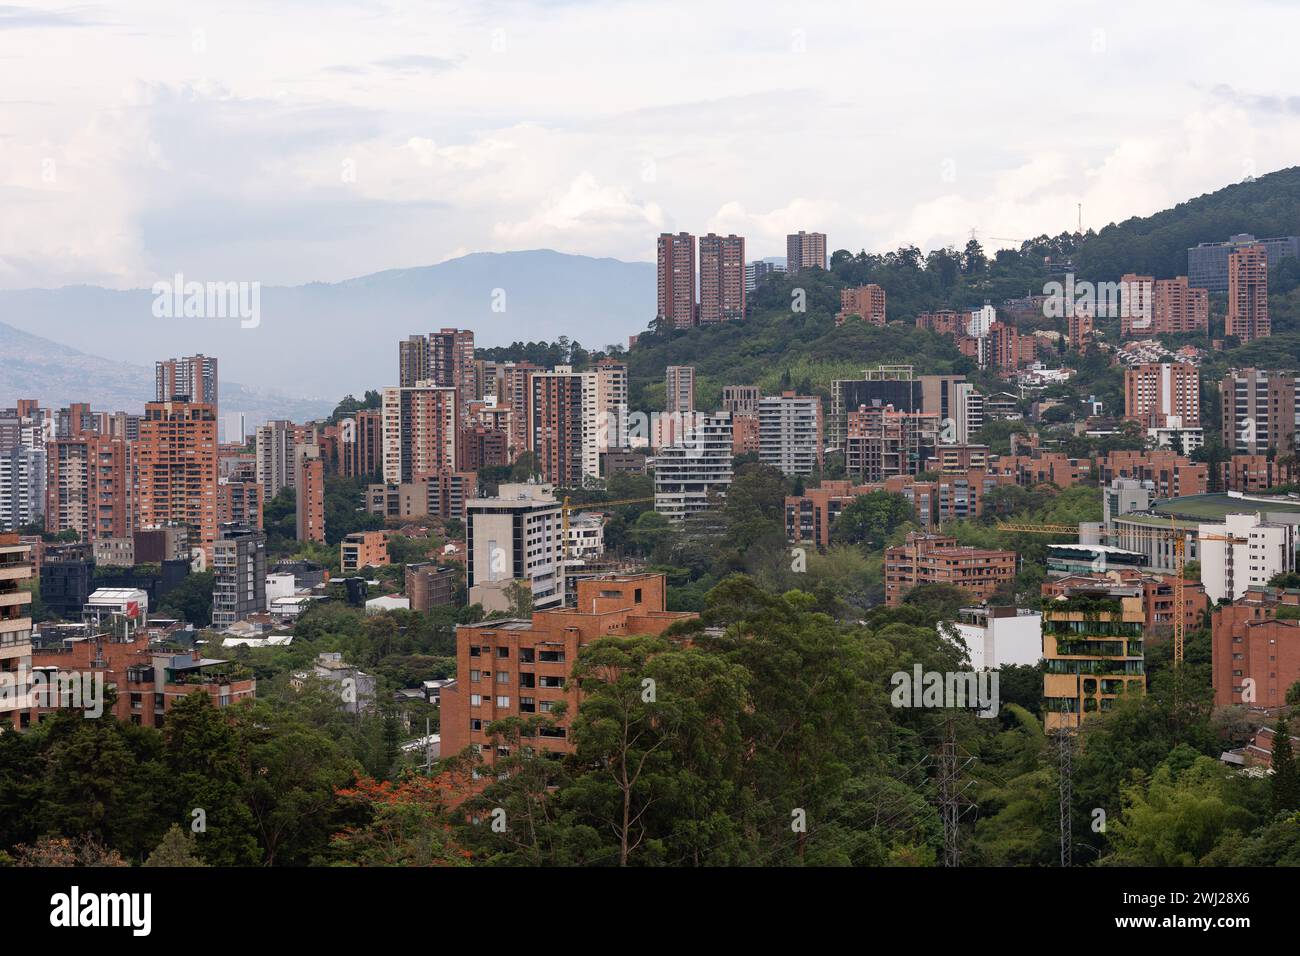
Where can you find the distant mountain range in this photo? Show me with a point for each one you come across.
(35, 367)
(314, 343)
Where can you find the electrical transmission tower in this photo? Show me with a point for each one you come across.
(1065, 772)
(952, 761)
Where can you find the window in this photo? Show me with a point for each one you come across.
(503, 652)
(552, 657)
(526, 655)
(552, 681)
(503, 701)
(503, 677)
(636, 596)
(528, 705)
(475, 700)
(547, 705)
(475, 675)
(473, 652)
(475, 724)
(527, 680)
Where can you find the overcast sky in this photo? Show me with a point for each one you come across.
(286, 141)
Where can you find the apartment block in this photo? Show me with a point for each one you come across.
(895, 385)
(176, 468)
(239, 569)
(790, 433)
(1150, 306)
(430, 585)
(419, 431)
(439, 496)
(746, 435)
(361, 444)
(1257, 473)
(722, 279)
(1247, 317)
(692, 473)
(1093, 650)
(516, 536)
(679, 389)
(239, 502)
(521, 667)
(882, 442)
(1172, 475)
(194, 377)
(1244, 551)
(23, 472)
(736, 398)
(1256, 657)
(15, 633)
(865, 302)
(1259, 412)
(676, 280)
(363, 549)
(566, 426)
(938, 559)
(805, 250)
(1156, 392)
(309, 487)
(149, 680)
(444, 358)
(516, 394)
(88, 488)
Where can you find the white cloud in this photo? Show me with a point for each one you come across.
(214, 138)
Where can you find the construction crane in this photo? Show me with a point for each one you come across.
(1178, 542)
(592, 506)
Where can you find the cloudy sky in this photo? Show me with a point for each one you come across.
(287, 141)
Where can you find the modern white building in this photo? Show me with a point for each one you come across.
(586, 536)
(980, 321)
(1173, 435)
(998, 636)
(516, 536)
(132, 603)
(689, 472)
(22, 486)
(790, 433)
(967, 412)
(1257, 551)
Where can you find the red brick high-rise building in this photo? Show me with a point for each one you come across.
(194, 376)
(1151, 306)
(1154, 391)
(419, 439)
(676, 280)
(239, 501)
(517, 395)
(445, 358)
(309, 488)
(361, 444)
(867, 302)
(805, 250)
(722, 279)
(1248, 294)
(88, 487)
(176, 468)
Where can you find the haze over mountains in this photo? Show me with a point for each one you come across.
(314, 343)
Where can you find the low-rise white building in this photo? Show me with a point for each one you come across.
(998, 636)
(1254, 551)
